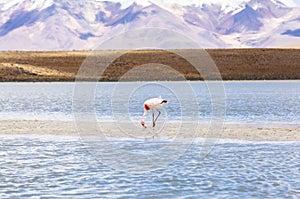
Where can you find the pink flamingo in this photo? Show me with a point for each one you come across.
(153, 104)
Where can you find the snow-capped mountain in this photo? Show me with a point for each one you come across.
(64, 24)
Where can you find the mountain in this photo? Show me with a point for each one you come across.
(63, 24)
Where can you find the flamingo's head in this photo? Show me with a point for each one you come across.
(143, 124)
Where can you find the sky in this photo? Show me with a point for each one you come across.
(297, 2)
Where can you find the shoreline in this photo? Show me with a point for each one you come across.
(113, 82)
(237, 131)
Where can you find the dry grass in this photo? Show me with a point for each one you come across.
(233, 64)
(258, 64)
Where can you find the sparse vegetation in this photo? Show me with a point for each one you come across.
(233, 64)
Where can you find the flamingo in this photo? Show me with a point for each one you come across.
(153, 104)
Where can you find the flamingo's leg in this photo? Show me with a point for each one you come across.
(153, 121)
(157, 116)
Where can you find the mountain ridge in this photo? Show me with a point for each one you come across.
(65, 25)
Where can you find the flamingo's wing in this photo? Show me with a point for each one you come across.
(153, 101)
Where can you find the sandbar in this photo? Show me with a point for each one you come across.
(170, 130)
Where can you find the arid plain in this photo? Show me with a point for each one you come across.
(233, 64)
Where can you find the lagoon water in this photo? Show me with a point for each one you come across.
(58, 166)
(61, 167)
(245, 102)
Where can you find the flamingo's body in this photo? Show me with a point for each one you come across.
(153, 104)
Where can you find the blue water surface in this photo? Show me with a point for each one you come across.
(245, 102)
(57, 166)
(53, 167)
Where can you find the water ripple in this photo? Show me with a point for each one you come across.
(32, 166)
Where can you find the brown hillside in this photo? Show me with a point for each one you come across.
(233, 64)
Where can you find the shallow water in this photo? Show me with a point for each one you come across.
(59, 166)
(49, 166)
(246, 102)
